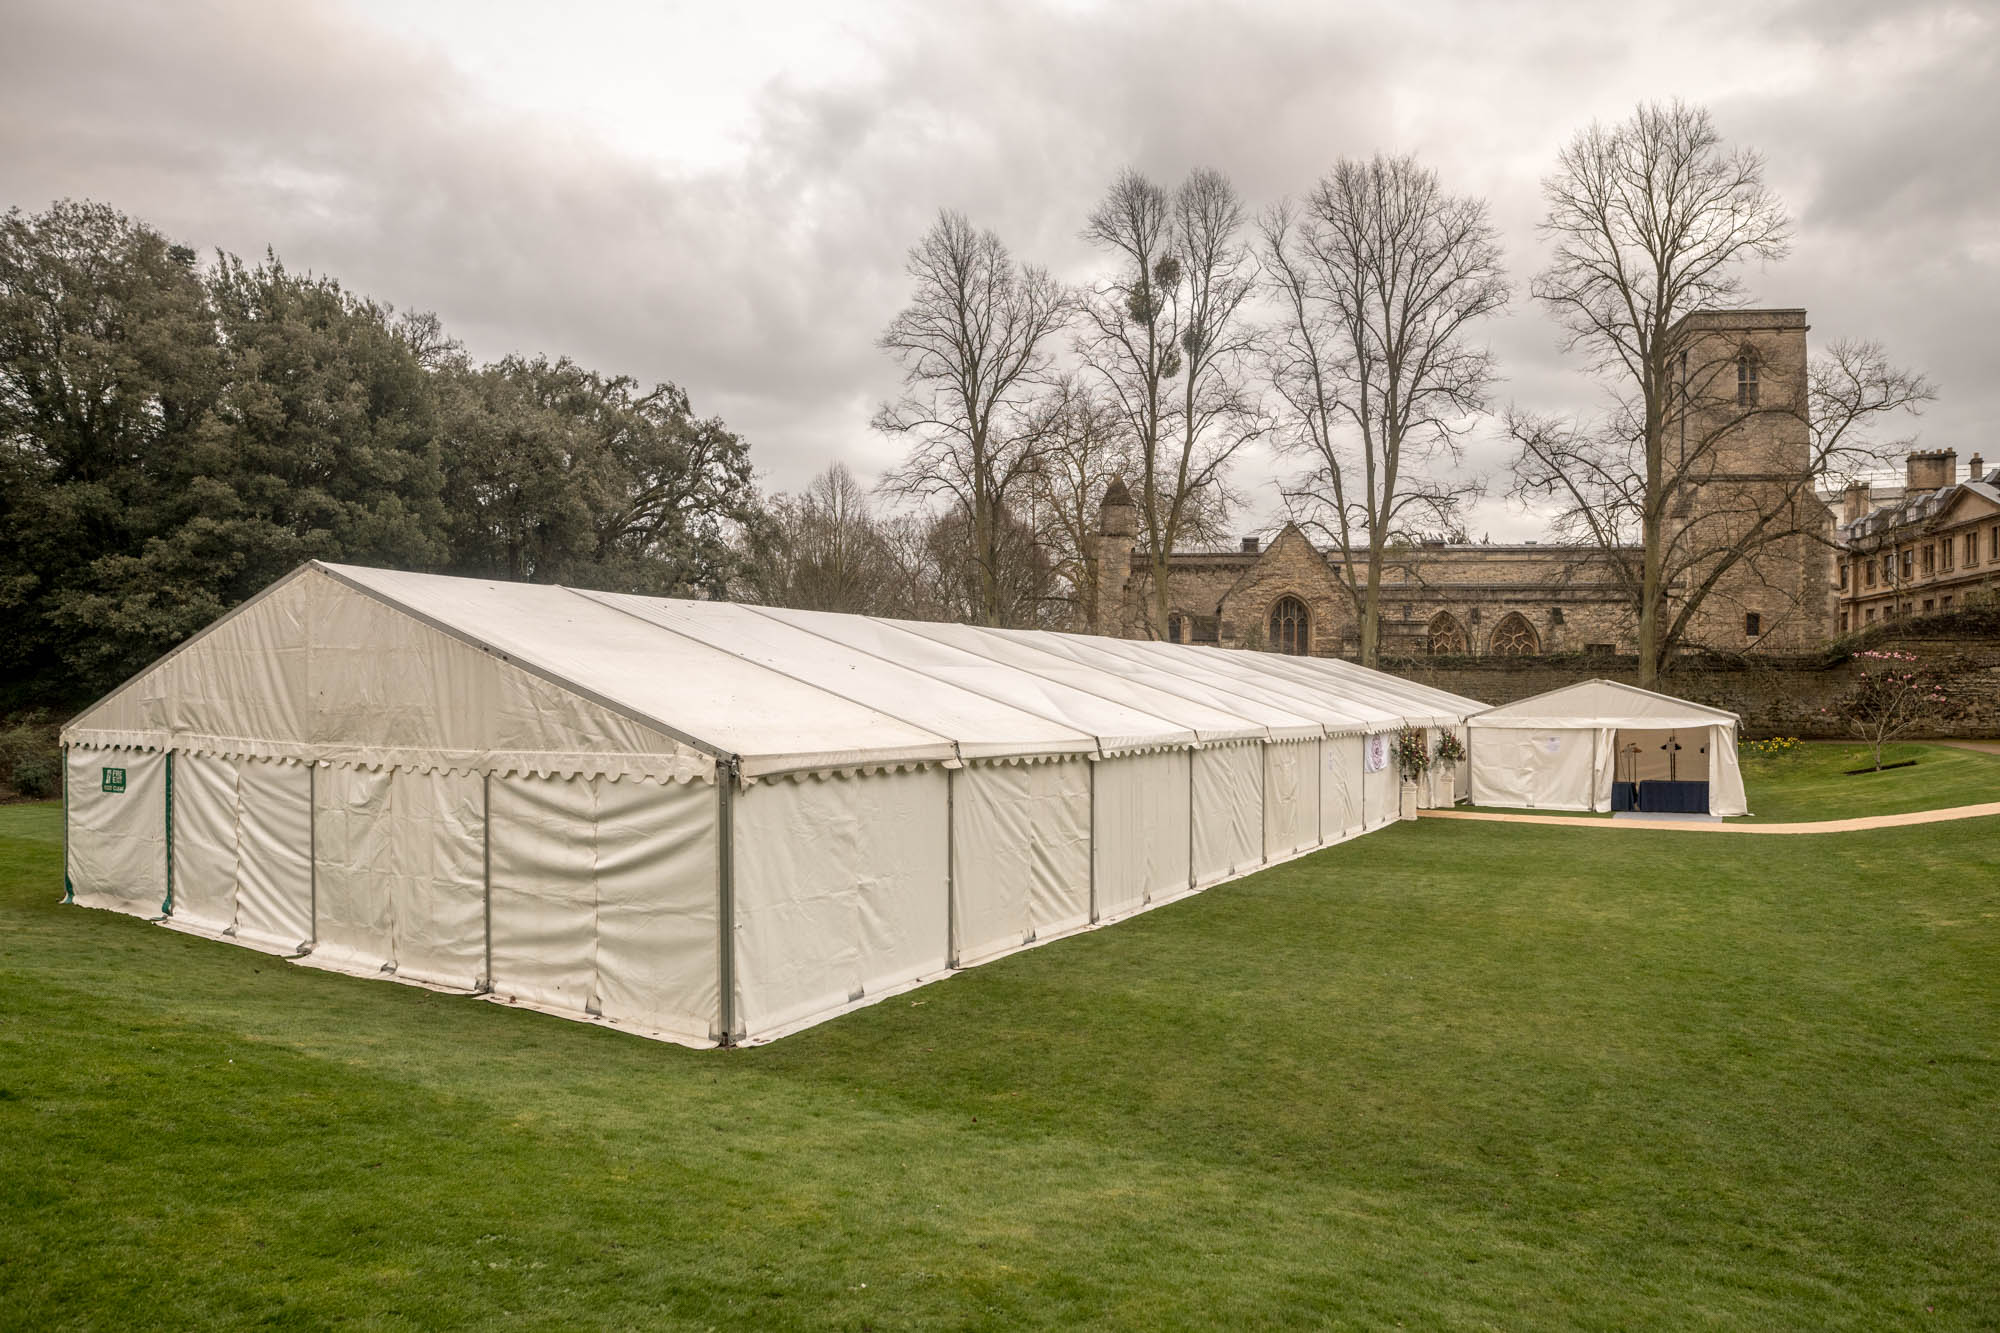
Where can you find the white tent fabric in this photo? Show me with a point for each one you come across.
(1292, 813)
(1142, 820)
(115, 839)
(706, 822)
(1229, 812)
(241, 829)
(1020, 848)
(839, 894)
(1555, 750)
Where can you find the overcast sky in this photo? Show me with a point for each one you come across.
(721, 194)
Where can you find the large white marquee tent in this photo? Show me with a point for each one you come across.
(1596, 744)
(701, 821)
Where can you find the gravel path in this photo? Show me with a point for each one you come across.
(1692, 826)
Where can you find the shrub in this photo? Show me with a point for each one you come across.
(1894, 693)
(30, 757)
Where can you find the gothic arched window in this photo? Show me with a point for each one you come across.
(1746, 379)
(1447, 636)
(1515, 637)
(1291, 628)
(1176, 631)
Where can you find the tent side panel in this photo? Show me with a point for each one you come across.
(1725, 774)
(544, 894)
(205, 869)
(1020, 855)
(1228, 813)
(1340, 785)
(437, 895)
(1291, 797)
(117, 828)
(355, 863)
(274, 820)
(656, 870)
(1537, 769)
(1140, 842)
(840, 891)
(1382, 790)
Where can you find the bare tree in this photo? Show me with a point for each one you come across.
(1169, 337)
(974, 344)
(1083, 446)
(1652, 220)
(825, 549)
(1380, 274)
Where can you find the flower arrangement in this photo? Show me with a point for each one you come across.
(1450, 749)
(1412, 756)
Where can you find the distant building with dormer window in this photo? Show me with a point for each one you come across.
(1928, 546)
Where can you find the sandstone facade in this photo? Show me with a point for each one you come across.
(1932, 545)
(1743, 434)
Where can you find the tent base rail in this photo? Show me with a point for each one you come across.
(672, 1038)
(276, 948)
(320, 962)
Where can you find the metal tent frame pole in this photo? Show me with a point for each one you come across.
(725, 782)
(951, 868)
(1092, 765)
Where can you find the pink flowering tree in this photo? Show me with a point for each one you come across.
(1894, 694)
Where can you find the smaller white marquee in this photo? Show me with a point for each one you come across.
(1565, 749)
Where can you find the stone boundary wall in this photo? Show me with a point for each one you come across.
(1775, 695)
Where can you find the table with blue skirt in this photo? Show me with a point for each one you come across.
(1660, 797)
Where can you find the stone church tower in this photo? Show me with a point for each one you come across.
(1742, 449)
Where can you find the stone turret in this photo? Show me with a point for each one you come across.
(1117, 535)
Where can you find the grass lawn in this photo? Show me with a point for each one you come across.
(1447, 1076)
(1812, 781)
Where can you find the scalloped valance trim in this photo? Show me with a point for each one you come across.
(682, 767)
(849, 771)
(1028, 760)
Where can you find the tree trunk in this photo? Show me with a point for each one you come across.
(1652, 593)
(1371, 611)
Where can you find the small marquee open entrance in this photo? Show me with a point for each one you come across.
(1601, 745)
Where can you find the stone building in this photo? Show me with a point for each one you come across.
(1930, 545)
(1744, 374)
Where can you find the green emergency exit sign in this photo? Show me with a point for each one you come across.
(114, 779)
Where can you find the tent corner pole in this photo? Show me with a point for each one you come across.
(167, 903)
(486, 869)
(312, 856)
(727, 773)
(69, 889)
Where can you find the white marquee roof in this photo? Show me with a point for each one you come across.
(1602, 703)
(778, 690)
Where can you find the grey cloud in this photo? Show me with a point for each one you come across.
(761, 287)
